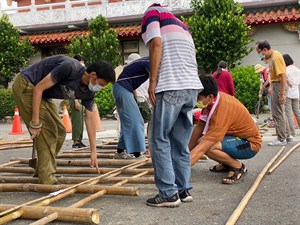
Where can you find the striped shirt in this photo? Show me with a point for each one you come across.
(178, 67)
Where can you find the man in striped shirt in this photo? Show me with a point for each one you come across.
(173, 89)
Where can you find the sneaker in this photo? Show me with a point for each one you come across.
(290, 138)
(158, 201)
(123, 155)
(82, 145)
(276, 142)
(77, 145)
(185, 196)
(141, 157)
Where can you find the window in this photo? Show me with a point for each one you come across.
(128, 47)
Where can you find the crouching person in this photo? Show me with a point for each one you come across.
(226, 132)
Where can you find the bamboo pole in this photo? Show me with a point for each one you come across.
(16, 142)
(240, 208)
(9, 163)
(82, 202)
(86, 215)
(81, 170)
(75, 180)
(106, 162)
(283, 158)
(15, 146)
(83, 155)
(67, 190)
(43, 188)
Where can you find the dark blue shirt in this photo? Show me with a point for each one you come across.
(66, 73)
(135, 74)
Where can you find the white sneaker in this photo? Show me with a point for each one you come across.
(276, 142)
(290, 138)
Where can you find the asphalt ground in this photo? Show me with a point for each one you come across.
(276, 201)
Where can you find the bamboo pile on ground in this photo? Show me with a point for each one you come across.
(242, 205)
(18, 211)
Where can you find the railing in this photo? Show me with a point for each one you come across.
(79, 10)
(70, 11)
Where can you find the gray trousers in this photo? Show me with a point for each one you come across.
(278, 113)
(292, 106)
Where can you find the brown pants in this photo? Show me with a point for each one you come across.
(278, 113)
(52, 135)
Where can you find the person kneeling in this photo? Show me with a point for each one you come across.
(226, 132)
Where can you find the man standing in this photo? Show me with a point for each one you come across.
(57, 77)
(173, 89)
(277, 70)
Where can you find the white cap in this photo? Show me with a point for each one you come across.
(118, 71)
(132, 57)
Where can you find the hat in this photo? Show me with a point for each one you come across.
(258, 68)
(118, 71)
(132, 57)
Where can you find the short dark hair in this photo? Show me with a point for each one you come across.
(210, 86)
(103, 70)
(263, 44)
(222, 64)
(78, 57)
(288, 59)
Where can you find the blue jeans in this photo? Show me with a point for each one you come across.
(237, 148)
(170, 131)
(132, 135)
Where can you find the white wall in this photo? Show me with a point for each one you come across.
(280, 39)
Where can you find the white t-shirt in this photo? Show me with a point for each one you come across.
(293, 78)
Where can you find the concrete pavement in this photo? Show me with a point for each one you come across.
(276, 201)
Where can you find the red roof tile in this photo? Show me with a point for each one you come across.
(129, 31)
(273, 16)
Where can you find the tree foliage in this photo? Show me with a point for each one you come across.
(219, 32)
(102, 43)
(14, 54)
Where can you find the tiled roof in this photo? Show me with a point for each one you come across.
(129, 31)
(263, 17)
(273, 16)
(57, 37)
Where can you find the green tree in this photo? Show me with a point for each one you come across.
(102, 43)
(14, 54)
(219, 32)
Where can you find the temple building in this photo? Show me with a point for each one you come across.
(51, 24)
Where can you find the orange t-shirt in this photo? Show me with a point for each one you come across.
(231, 118)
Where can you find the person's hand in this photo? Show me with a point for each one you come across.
(151, 91)
(94, 162)
(270, 91)
(34, 132)
(77, 105)
(282, 99)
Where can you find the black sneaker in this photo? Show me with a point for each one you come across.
(82, 145)
(77, 145)
(185, 196)
(158, 201)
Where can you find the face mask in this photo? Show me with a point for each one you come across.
(201, 105)
(261, 56)
(95, 88)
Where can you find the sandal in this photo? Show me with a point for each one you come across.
(216, 168)
(238, 174)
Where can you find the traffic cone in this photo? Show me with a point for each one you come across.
(66, 120)
(17, 126)
(295, 121)
(97, 119)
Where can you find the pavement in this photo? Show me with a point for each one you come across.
(275, 202)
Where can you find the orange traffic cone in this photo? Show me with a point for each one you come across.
(17, 126)
(295, 121)
(97, 119)
(66, 120)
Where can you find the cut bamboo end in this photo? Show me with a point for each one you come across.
(86, 215)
